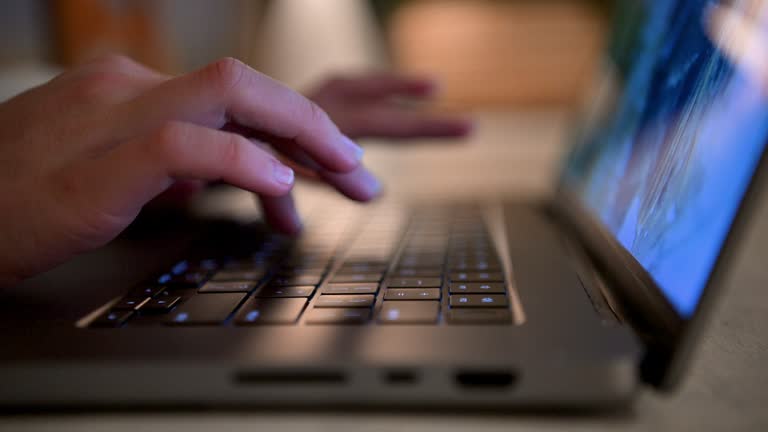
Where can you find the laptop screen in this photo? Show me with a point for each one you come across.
(667, 169)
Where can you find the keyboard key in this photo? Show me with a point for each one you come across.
(409, 312)
(292, 291)
(270, 311)
(164, 278)
(344, 301)
(207, 265)
(477, 277)
(180, 267)
(412, 294)
(181, 293)
(415, 282)
(369, 254)
(160, 305)
(312, 267)
(238, 275)
(146, 291)
(474, 266)
(362, 267)
(471, 244)
(307, 261)
(479, 316)
(356, 277)
(286, 281)
(369, 288)
(189, 280)
(206, 309)
(426, 272)
(112, 319)
(478, 300)
(418, 261)
(129, 303)
(338, 316)
(142, 319)
(477, 288)
(287, 272)
(227, 287)
(248, 264)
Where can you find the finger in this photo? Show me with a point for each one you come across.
(394, 122)
(229, 91)
(137, 171)
(178, 194)
(303, 165)
(359, 185)
(383, 85)
(280, 213)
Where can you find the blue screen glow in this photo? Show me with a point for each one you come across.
(666, 171)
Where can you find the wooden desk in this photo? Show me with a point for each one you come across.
(727, 388)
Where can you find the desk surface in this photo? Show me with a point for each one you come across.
(727, 387)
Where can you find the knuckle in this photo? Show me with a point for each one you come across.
(316, 115)
(113, 61)
(98, 82)
(96, 86)
(227, 73)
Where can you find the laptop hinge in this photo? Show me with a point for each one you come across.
(602, 289)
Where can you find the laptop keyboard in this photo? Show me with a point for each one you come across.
(385, 266)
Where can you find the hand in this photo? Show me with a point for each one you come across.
(367, 106)
(81, 155)
(373, 106)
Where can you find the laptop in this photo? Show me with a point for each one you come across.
(577, 300)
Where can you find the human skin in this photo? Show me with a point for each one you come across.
(82, 154)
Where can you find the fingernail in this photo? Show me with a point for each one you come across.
(353, 148)
(375, 187)
(372, 186)
(281, 173)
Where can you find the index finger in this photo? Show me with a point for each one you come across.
(229, 91)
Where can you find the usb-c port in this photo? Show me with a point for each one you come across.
(492, 380)
(401, 377)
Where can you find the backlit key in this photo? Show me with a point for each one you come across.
(291, 291)
(206, 309)
(338, 316)
(366, 288)
(477, 288)
(344, 301)
(409, 312)
(478, 300)
(415, 282)
(477, 277)
(412, 294)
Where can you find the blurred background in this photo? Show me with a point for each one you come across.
(486, 53)
(520, 67)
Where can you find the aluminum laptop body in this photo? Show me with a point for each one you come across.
(601, 288)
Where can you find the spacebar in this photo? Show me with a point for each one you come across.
(206, 309)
